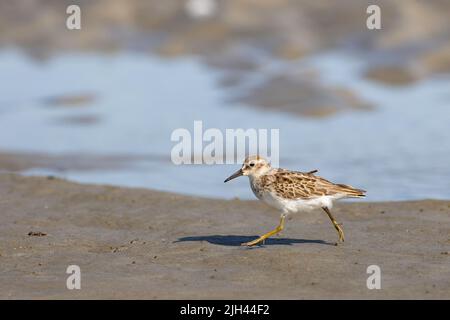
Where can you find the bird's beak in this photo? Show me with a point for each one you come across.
(234, 175)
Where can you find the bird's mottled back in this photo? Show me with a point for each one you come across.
(301, 185)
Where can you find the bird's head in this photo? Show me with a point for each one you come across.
(253, 166)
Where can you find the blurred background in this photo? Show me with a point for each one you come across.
(370, 108)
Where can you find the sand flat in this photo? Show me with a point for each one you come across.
(143, 244)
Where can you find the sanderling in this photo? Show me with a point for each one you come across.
(292, 191)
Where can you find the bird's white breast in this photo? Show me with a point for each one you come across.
(298, 205)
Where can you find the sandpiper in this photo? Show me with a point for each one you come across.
(292, 191)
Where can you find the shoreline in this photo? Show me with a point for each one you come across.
(143, 244)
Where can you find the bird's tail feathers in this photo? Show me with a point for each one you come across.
(350, 191)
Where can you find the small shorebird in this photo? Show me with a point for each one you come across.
(292, 191)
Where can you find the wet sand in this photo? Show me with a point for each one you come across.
(21, 161)
(143, 244)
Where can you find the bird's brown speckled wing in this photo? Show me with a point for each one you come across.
(301, 185)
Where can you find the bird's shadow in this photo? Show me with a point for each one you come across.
(236, 240)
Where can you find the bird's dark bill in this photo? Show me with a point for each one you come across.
(234, 175)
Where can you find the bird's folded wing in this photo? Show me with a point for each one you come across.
(299, 185)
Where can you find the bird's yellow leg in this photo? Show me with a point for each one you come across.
(268, 234)
(336, 225)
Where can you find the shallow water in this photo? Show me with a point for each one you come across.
(398, 151)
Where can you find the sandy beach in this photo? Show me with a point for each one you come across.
(143, 244)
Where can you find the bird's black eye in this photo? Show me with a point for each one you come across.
(252, 164)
